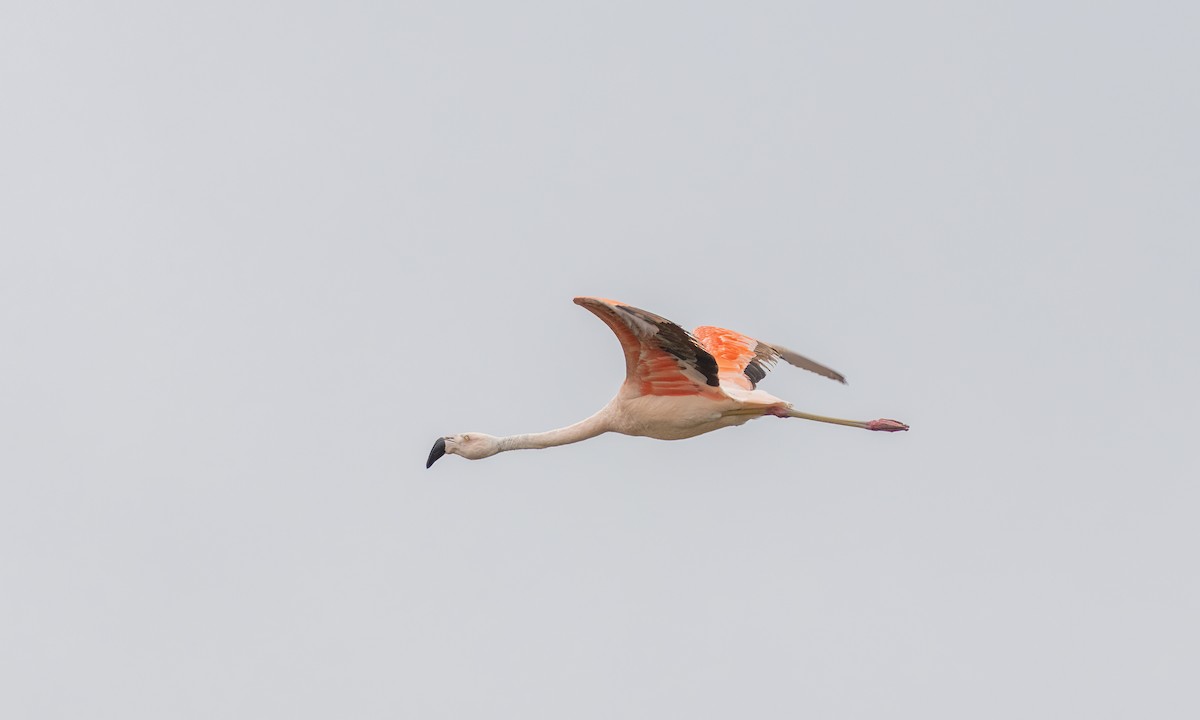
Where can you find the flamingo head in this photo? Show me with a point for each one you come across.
(472, 446)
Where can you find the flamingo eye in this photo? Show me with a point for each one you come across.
(466, 438)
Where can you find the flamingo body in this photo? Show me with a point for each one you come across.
(677, 385)
(674, 417)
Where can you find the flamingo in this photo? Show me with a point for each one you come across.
(677, 385)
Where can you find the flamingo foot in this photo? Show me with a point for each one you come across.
(886, 425)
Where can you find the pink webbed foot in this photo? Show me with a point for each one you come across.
(886, 425)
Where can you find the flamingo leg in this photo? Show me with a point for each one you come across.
(883, 424)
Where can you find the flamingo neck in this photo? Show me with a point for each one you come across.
(597, 424)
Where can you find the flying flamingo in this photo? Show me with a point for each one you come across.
(676, 386)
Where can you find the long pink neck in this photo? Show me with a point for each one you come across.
(591, 427)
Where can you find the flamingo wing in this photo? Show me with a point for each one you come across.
(795, 358)
(744, 361)
(661, 358)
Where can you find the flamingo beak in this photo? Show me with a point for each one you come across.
(439, 449)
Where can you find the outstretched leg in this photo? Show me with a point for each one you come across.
(882, 424)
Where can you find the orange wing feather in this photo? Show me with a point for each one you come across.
(733, 351)
(744, 361)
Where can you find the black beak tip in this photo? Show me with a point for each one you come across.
(439, 449)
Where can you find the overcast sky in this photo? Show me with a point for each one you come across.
(258, 256)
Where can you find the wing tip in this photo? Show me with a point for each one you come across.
(590, 301)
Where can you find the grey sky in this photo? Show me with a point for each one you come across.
(257, 257)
